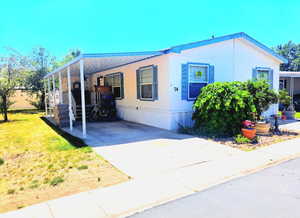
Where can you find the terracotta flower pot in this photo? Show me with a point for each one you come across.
(249, 133)
(262, 128)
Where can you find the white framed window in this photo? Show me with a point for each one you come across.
(198, 77)
(263, 73)
(147, 83)
(115, 81)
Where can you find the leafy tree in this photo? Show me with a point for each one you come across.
(290, 51)
(73, 53)
(41, 63)
(11, 71)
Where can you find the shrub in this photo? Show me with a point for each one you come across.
(221, 107)
(284, 98)
(1, 161)
(240, 139)
(56, 181)
(262, 95)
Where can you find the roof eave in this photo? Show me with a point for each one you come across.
(179, 48)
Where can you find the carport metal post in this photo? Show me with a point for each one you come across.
(82, 98)
(70, 98)
(292, 89)
(60, 88)
(53, 89)
(45, 99)
(49, 91)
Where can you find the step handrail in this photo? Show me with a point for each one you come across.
(74, 110)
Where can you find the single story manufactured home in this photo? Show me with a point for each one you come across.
(158, 88)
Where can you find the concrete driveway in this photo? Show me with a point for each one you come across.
(140, 150)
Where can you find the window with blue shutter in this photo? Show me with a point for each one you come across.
(194, 77)
(263, 73)
(147, 83)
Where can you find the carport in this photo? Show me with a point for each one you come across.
(82, 67)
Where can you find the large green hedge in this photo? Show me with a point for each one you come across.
(222, 106)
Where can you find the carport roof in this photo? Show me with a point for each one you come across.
(104, 61)
(289, 74)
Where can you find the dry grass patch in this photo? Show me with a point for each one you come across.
(37, 164)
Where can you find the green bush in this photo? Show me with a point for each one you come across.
(1, 161)
(222, 106)
(284, 98)
(240, 139)
(262, 95)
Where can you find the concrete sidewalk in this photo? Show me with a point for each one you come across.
(143, 193)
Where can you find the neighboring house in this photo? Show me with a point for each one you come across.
(290, 81)
(158, 88)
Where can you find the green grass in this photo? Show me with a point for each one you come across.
(297, 115)
(31, 151)
(56, 181)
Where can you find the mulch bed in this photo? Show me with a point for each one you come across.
(262, 140)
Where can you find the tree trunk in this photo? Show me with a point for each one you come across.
(42, 101)
(4, 99)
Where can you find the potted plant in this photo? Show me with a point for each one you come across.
(290, 112)
(248, 129)
(262, 127)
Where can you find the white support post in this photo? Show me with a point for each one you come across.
(70, 98)
(49, 91)
(292, 89)
(82, 98)
(45, 90)
(60, 89)
(53, 89)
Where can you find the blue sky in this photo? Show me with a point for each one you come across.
(137, 25)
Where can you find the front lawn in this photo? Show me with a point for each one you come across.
(37, 164)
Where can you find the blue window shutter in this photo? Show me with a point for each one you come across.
(184, 82)
(271, 78)
(155, 83)
(254, 74)
(138, 95)
(122, 85)
(211, 76)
